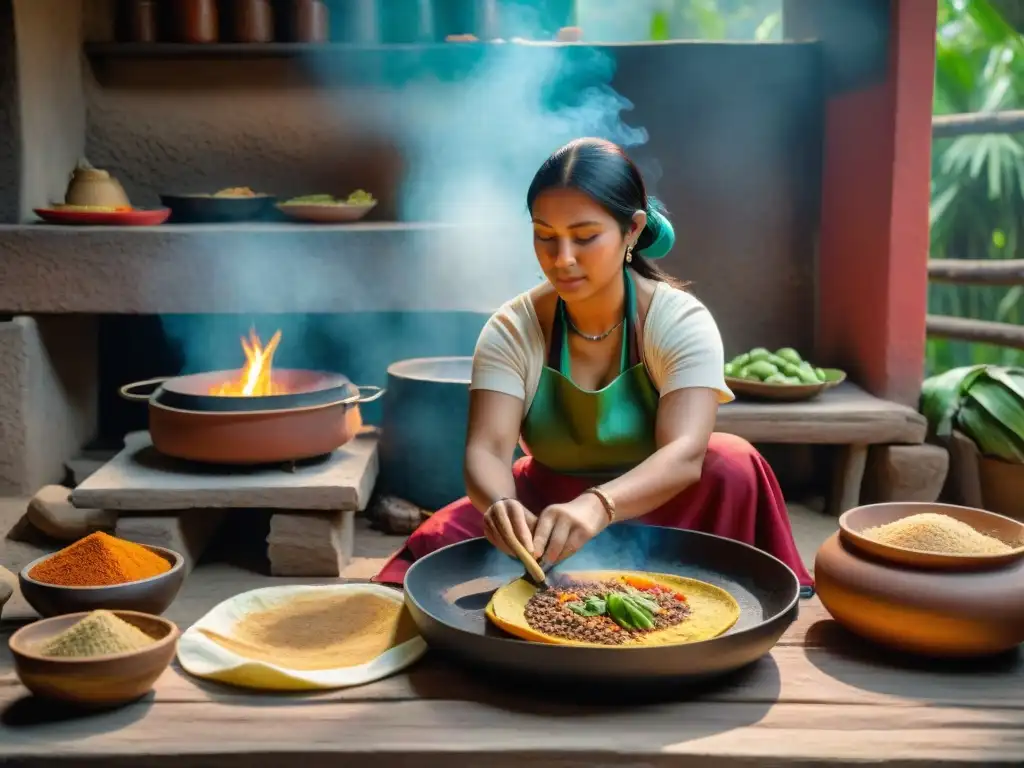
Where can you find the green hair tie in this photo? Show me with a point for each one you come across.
(661, 229)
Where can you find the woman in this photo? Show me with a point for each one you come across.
(611, 375)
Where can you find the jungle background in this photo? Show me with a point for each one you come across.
(977, 200)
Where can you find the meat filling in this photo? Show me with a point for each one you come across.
(606, 612)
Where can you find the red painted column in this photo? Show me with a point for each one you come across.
(873, 252)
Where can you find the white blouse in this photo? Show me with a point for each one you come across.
(682, 347)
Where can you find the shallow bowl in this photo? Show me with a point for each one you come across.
(152, 596)
(791, 393)
(853, 522)
(208, 209)
(101, 681)
(325, 214)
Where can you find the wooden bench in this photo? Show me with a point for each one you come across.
(846, 416)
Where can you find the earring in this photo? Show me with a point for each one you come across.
(629, 254)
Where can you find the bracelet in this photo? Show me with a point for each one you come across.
(606, 502)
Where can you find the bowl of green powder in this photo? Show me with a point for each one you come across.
(98, 659)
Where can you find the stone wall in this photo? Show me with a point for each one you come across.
(48, 398)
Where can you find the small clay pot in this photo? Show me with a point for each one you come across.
(252, 21)
(92, 186)
(137, 21)
(196, 21)
(932, 613)
(308, 21)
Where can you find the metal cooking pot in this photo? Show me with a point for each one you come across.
(423, 439)
(319, 414)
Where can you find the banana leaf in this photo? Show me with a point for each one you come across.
(985, 402)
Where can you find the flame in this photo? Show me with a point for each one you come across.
(254, 379)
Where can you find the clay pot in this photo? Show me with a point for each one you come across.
(319, 414)
(252, 21)
(137, 21)
(928, 612)
(1002, 486)
(92, 186)
(308, 21)
(196, 21)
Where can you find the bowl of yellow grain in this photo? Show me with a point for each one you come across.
(103, 571)
(932, 535)
(97, 659)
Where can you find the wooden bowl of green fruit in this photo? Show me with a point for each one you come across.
(782, 375)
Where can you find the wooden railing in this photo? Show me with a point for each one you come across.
(981, 272)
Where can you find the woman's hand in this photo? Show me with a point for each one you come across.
(505, 514)
(563, 528)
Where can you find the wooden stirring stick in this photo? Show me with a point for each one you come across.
(532, 567)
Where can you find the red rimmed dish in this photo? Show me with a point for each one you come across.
(76, 217)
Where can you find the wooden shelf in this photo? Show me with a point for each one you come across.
(113, 50)
(262, 267)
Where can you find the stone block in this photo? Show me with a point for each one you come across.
(311, 543)
(905, 473)
(48, 398)
(397, 516)
(51, 511)
(140, 479)
(187, 532)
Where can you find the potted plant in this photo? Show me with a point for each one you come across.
(978, 411)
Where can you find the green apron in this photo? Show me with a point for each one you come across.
(578, 432)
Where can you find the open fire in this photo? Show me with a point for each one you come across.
(255, 378)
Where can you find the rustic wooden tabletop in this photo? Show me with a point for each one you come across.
(821, 697)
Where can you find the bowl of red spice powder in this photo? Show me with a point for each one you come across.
(103, 572)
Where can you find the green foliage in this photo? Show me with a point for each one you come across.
(977, 208)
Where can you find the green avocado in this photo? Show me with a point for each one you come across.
(759, 353)
(761, 369)
(789, 355)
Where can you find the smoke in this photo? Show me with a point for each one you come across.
(626, 546)
(471, 123)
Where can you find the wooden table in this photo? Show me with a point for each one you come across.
(816, 700)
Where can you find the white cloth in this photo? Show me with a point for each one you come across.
(681, 345)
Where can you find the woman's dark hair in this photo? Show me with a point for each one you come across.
(603, 172)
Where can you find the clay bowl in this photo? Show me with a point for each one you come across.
(151, 596)
(102, 681)
(788, 393)
(932, 613)
(852, 522)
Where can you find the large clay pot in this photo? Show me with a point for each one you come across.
(1002, 486)
(934, 613)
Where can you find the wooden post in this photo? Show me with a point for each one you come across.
(873, 249)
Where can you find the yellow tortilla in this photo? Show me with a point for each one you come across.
(712, 611)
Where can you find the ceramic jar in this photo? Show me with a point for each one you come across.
(252, 21)
(308, 21)
(92, 186)
(929, 612)
(137, 21)
(196, 21)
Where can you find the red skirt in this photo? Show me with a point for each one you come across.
(737, 497)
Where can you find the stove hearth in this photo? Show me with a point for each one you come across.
(181, 505)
